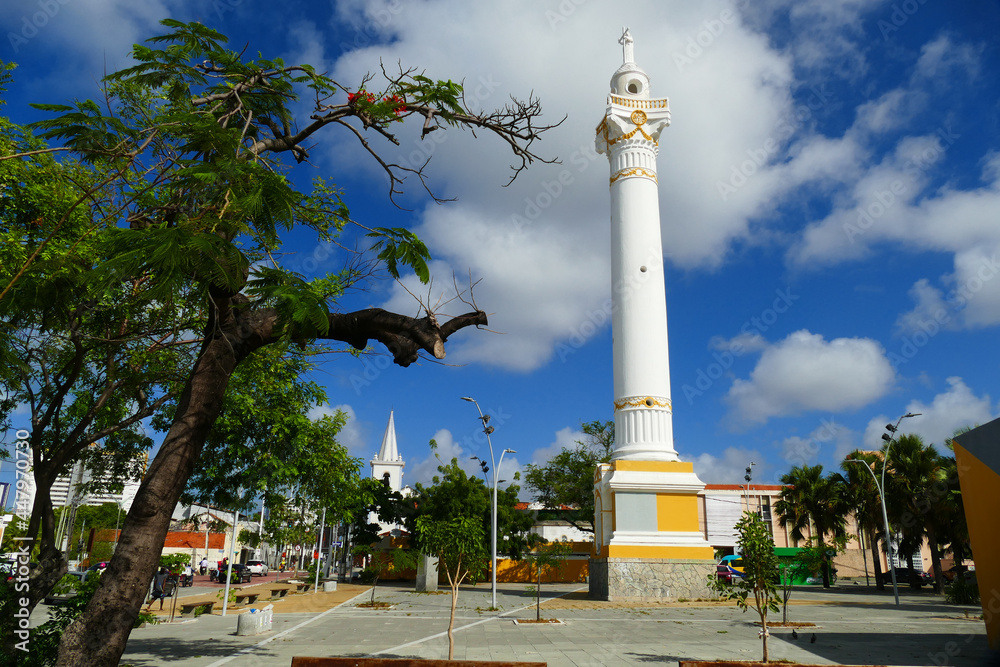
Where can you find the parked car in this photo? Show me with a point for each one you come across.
(240, 574)
(66, 588)
(913, 578)
(952, 572)
(733, 565)
(257, 567)
(723, 574)
(98, 567)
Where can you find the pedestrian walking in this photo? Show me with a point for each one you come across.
(159, 582)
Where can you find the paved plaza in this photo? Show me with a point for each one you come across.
(854, 625)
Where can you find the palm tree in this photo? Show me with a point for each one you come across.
(917, 486)
(862, 494)
(808, 495)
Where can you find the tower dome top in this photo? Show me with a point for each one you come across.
(629, 79)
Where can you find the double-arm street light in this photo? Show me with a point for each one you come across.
(487, 429)
(888, 437)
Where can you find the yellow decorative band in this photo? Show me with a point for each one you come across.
(643, 402)
(662, 103)
(634, 171)
(629, 135)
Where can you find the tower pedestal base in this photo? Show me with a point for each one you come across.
(648, 540)
(649, 579)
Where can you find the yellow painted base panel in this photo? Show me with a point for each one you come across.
(677, 512)
(634, 551)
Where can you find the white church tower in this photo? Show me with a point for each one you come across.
(648, 542)
(388, 464)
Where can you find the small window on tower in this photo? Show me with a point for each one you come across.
(634, 87)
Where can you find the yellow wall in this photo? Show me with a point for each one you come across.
(981, 496)
(571, 571)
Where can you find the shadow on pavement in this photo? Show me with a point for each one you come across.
(163, 650)
(896, 649)
(649, 657)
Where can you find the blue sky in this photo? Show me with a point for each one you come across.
(829, 195)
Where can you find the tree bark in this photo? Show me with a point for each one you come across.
(935, 560)
(876, 562)
(98, 637)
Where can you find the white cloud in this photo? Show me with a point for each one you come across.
(566, 438)
(730, 467)
(424, 470)
(947, 412)
(541, 245)
(353, 435)
(799, 451)
(805, 372)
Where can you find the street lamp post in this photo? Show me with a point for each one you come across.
(487, 429)
(888, 437)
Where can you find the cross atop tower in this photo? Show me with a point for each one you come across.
(626, 41)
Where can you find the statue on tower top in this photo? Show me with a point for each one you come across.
(626, 41)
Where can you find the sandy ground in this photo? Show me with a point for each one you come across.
(292, 603)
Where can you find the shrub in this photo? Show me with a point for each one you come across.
(962, 591)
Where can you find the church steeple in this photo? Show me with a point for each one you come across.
(388, 464)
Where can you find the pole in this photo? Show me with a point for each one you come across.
(885, 522)
(319, 549)
(493, 532)
(229, 567)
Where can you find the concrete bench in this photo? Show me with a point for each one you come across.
(188, 609)
(277, 593)
(302, 588)
(246, 598)
(406, 662)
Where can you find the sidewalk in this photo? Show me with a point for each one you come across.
(854, 626)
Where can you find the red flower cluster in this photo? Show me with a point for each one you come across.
(399, 104)
(361, 95)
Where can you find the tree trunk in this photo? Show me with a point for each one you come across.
(876, 561)
(538, 596)
(99, 635)
(763, 635)
(451, 621)
(935, 560)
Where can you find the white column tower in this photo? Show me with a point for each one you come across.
(629, 135)
(648, 540)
